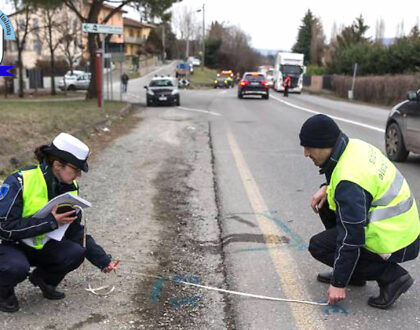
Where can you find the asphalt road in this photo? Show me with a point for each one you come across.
(264, 188)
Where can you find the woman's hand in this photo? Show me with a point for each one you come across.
(319, 199)
(112, 266)
(63, 218)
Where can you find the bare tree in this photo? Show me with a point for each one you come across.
(400, 30)
(186, 26)
(21, 19)
(52, 20)
(70, 44)
(93, 8)
(380, 30)
(317, 42)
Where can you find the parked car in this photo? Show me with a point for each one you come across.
(183, 69)
(402, 133)
(195, 61)
(162, 90)
(253, 83)
(79, 80)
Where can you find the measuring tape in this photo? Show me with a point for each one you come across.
(99, 291)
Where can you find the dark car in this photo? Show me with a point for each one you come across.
(403, 128)
(162, 90)
(253, 83)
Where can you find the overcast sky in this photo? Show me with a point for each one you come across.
(274, 24)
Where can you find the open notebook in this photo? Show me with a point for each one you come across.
(58, 233)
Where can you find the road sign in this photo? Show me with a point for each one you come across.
(102, 28)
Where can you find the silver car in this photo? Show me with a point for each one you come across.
(403, 128)
(79, 80)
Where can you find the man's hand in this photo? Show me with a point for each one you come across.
(63, 218)
(319, 199)
(336, 294)
(112, 266)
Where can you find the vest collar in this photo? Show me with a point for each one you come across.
(340, 145)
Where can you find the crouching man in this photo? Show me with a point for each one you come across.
(369, 213)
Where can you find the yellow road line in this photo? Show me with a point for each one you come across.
(306, 317)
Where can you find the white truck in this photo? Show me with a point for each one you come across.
(289, 64)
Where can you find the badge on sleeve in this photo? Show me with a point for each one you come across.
(4, 189)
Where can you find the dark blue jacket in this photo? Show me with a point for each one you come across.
(353, 203)
(14, 228)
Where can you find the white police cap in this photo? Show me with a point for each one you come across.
(70, 149)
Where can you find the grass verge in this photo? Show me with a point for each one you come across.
(202, 76)
(24, 124)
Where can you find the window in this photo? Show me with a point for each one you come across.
(35, 23)
(37, 46)
(131, 33)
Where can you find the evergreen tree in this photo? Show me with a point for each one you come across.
(310, 40)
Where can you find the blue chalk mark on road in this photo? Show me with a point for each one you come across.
(297, 242)
(156, 290)
(189, 301)
(333, 309)
(174, 301)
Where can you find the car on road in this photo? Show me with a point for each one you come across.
(224, 79)
(195, 61)
(253, 83)
(78, 80)
(162, 90)
(402, 134)
(183, 69)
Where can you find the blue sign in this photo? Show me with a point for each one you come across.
(6, 33)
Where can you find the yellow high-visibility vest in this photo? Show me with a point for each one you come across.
(35, 196)
(393, 221)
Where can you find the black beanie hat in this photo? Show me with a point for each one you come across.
(319, 131)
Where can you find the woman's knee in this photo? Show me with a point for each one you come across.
(75, 256)
(13, 271)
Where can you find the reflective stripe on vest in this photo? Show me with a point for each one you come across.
(35, 196)
(392, 191)
(393, 221)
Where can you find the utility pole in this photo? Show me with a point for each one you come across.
(204, 32)
(204, 44)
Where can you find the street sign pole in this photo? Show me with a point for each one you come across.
(103, 62)
(105, 30)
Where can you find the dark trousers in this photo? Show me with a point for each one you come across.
(52, 263)
(286, 91)
(370, 266)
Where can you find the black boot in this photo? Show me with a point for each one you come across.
(326, 278)
(48, 291)
(8, 300)
(390, 292)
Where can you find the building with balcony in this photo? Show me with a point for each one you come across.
(135, 36)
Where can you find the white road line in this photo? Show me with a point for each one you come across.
(199, 110)
(334, 117)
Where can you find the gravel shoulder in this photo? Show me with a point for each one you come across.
(154, 208)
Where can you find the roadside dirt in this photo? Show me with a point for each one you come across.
(151, 186)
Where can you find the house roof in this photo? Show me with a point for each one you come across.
(111, 7)
(132, 22)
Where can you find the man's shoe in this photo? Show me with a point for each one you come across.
(48, 291)
(326, 278)
(390, 292)
(8, 300)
